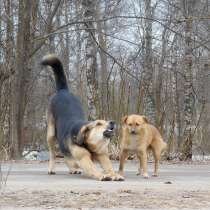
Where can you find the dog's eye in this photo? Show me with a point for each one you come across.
(130, 124)
(137, 124)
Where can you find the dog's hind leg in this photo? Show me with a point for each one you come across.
(51, 143)
(157, 150)
(72, 165)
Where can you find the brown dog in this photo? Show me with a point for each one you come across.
(138, 136)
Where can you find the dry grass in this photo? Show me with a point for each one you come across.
(4, 156)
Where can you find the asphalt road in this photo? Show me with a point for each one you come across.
(179, 186)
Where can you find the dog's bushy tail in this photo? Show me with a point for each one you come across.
(60, 78)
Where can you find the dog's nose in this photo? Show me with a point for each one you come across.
(112, 125)
(133, 131)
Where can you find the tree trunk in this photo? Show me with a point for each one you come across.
(22, 75)
(159, 84)
(188, 85)
(91, 59)
(78, 65)
(188, 94)
(146, 93)
(66, 37)
(9, 60)
(101, 27)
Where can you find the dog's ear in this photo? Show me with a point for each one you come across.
(82, 135)
(80, 138)
(145, 119)
(124, 119)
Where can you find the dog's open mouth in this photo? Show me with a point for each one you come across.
(108, 133)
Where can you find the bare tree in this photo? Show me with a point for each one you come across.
(188, 85)
(146, 91)
(22, 74)
(91, 58)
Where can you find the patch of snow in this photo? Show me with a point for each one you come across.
(200, 157)
(36, 155)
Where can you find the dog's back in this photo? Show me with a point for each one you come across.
(67, 111)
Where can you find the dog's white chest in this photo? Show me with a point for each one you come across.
(133, 143)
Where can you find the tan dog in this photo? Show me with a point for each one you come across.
(138, 136)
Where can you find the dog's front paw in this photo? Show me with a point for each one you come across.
(75, 171)
(105, 177)
(118, 177)
(51, 172)
(146, 176)
(139, 173)
(121, 173)
(155, 175)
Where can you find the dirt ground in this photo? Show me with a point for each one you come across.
(179, 186)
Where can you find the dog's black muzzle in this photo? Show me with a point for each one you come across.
(109, 132)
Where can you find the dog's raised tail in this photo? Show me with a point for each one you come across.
(60, 78)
